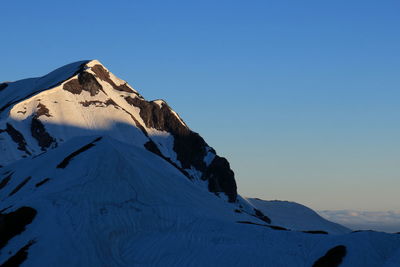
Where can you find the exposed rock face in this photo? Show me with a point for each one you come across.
(333, 258)
(85, 82)
(221, 178)
(18, 187)
(260, 215)
(5, 180)
(105, 76)
(316, 232)
(189, 146)
(19, 257)
(273, 227)
(151, 146)
(73, 86)
(17, 137)
(45, 180)
(14, 223)
(42, 111)
(96, 103)
(39, 132)
(66, 161)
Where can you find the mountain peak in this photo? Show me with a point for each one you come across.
(83, 99)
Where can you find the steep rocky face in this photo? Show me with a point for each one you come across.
(17, 137)
(39, 132)
(14, 223)
(221, 178)
(104, 75)
(190, 147)
(84, 82)
(87, 95)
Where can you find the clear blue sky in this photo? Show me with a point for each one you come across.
(303, 97)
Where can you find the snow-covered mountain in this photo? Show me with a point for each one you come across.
(84, 98)
(95, 175)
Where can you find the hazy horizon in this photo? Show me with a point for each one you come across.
(385, 221)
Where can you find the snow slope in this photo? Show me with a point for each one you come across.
(296, 216)
(119, 205)
(102, 201)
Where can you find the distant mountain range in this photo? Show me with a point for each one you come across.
(93, 174)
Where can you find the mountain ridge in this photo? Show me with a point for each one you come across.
(92, 85)
(95, 175)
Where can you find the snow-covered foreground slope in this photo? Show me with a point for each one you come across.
(100, 202)
(92, 174)
(296, 216)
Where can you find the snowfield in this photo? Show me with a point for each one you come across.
(119, 205)
(94, 175)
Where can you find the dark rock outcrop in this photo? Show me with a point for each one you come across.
(98, 103)
(189, 146)
(258, 213)
(18, 187)
(63, 164)
(104, 75)
(42, 182)
(333, 258)
(316, 232)
(18, 258)
(152, 147)
(38, 131)
(221, 178)
(14, 223)
(84, 82)
(17, 137)
(95, 103)
(5, 180)
(42, 110)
